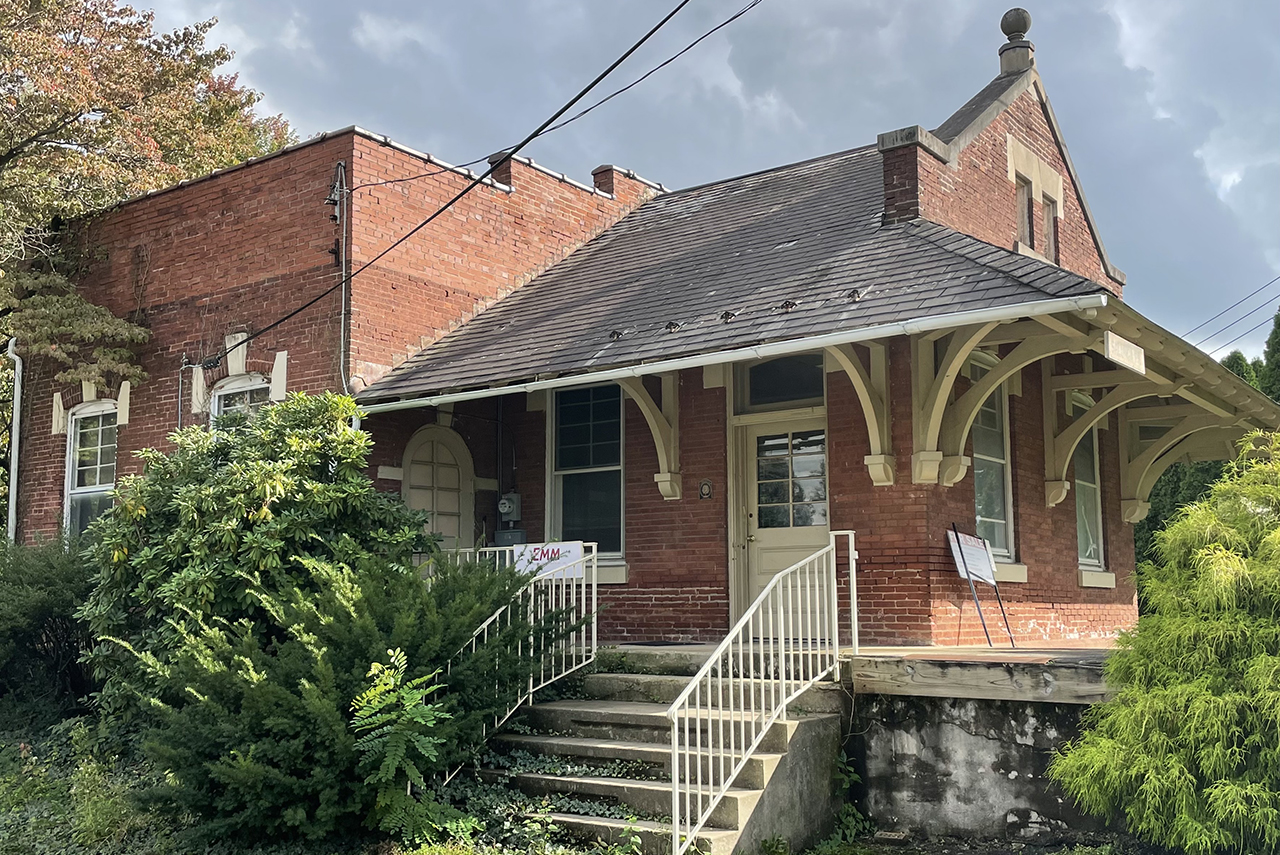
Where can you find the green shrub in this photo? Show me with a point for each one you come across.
(1188, 751)
(247, 582)
(242, 507)
(254, 718)
(41, 639)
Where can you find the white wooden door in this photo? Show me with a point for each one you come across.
(787, 510)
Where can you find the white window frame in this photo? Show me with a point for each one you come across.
(554, 514)
(89, 409)
(1049, 213)
(985, 362)
(231, 385)
(1081, 403)
(1026, 222)
(742, 388)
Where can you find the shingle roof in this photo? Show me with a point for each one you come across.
(765, 257)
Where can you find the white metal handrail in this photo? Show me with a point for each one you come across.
(785, 642)
(571, 589)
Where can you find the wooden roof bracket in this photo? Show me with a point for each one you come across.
(664, 424)
(1061, 445)
(932, 380)
(959, 417)
(872, 387)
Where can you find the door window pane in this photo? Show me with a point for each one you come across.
(791, 487)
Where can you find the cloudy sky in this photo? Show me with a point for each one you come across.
(1171, 108)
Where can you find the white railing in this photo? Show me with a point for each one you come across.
(569, 589)
(787, 641)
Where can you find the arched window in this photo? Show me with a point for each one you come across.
(91, 463)
(992, 469)
(439, 478)
(241, 393)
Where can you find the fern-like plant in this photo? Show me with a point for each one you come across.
(1187, 753)
(394, 721)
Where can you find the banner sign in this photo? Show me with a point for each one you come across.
(973, 557)
(538, 558)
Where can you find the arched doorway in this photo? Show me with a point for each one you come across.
(439, 478)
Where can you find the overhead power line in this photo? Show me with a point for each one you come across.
(475, 182)
(1232, 306)
(606, 99)
(1259, 326)
(1247, 314)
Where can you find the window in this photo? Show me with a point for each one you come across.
(992, 474)
(91, 464)
(1088, 497)
(588, 466)
(791, 482)
(1050, 241)
(1026, 214)
(244, 393)
(787, 382)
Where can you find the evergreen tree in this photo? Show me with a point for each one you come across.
(1269, 376)
(1187, 752)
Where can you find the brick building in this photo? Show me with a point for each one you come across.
(893, 339)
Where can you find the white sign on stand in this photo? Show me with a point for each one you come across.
(545, 557)
(973, 557)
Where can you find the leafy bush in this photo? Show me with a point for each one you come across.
(242, 507)
(247, 582)
(1188, 751)
(41, 639)
(396, 745)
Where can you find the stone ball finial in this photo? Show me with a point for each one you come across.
(1015, 23)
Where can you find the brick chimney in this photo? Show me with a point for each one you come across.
(1018, 54)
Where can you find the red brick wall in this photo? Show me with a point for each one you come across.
(236, 250)
(974, 195)
(198, 262)
(491, 242)
(908, 589)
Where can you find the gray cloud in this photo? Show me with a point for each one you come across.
(1168, 106)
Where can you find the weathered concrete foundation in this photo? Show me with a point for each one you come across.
(960, 746)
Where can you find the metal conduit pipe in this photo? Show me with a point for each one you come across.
(15, 428)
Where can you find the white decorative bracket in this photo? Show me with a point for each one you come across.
(872, 386)
(932, 380)
(1059, 450)
(664, 424)
(958, 419)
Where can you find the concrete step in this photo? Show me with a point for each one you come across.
(664, 689)
(631, 721)
(655, 837)
(651, 797)
(755, 773)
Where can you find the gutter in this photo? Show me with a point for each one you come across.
(15, 426)
(761, 351)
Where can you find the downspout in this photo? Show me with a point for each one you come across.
(15, 426)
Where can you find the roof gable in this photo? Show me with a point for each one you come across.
(965, 126)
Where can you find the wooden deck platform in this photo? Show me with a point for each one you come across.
(1069, 675)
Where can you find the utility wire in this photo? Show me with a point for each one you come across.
(606, 99)
(1253, 311)
(1229, 308)
(506, 156)
(1242, 335)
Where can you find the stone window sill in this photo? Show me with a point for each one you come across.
(1008, 571)
(611, 570)
(1096, 577)
(1022, 249)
